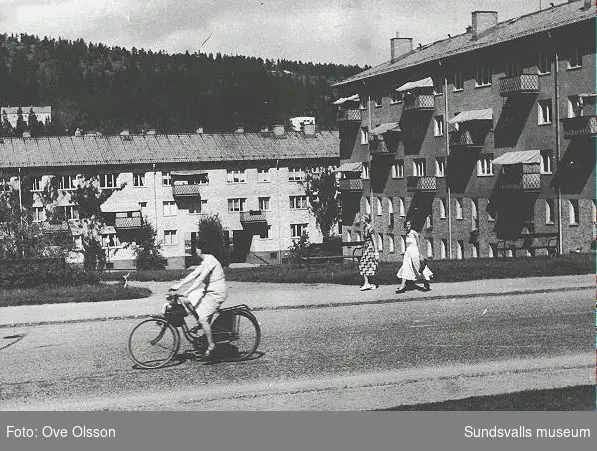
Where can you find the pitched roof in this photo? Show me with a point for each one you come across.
(509, 30)
(136, 149)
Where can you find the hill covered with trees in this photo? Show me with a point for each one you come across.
(108, 89)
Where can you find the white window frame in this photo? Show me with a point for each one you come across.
(364, 135)
(483, 76)
(37, 184)
(298, 202)
(67, 182)
(544, 112)
(442, 208)
(368, 205)
(573, 212)
(438, 125)
(575, 59)
(296, 174)
(265, 233)
(39, 214)
(443, 251)
(264, 203)
(379, 205)
(550, 212)
(398, 170)
(296, 230)
(419, 168)
(236, 175)
(546, 161)
(458, 83)
(391, 244)
(169, 208)
(263, 175)
(544, 63)
(236, 204)
(197, 206)
(170, 237)
(166, 178)
(458, 210)
(485, 165)
(108, 181)
(440, 167)
(401, 207)
(71, 211)
(139, 179)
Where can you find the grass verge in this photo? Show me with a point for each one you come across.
(78, 293)
(560, 399)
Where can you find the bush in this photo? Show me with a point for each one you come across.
(28, 273)
(299, 249)
(211, 238)
(148, 249)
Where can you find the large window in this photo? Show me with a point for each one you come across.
(546, 162)
(169, 237)
(483, 76)
(236, 204)
(573, 212)
(263, 175)
(458, 208)
(438, 126)
(108, 181)
(440, 167)
(139, 179)
(296, 230)
(398, 170)
(419, 167)
(442, 208)
(549, 211)
(296, 174)
(485, 165)
(545, 112)
(197, 206)
(170, 208)
(236, 175)
(298, 202)
(36, 184)
(67, 182)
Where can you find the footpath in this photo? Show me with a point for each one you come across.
(278, 296)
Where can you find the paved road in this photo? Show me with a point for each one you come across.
(348, 357)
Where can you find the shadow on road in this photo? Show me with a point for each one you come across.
(15, 339)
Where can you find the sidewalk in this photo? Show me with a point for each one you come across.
(273, 296)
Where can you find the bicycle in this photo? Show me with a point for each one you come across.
(155, 341)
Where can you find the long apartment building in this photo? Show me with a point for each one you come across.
(250, 180)
(482, 136)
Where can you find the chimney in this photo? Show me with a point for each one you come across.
(400, 46)
(199, 131)
(309, 129)
(78, 132)
(279, 131)
(239, 130)
(482, 21)
(125, 132)
(151, 131)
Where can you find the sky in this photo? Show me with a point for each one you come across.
(326, 31)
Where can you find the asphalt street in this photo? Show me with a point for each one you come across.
(346, 357)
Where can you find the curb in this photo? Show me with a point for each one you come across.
(317, 306)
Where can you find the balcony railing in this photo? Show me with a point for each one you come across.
(415, 183)
(523, 182)
(349, 115)
(420, 102)
(351, 185)
(128, 223)
(464, 139)
(253, 217)
(519, 84)
(377, 147)
(186, 190)
(580, 126)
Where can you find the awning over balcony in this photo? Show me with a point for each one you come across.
(342, 100)
(519, 157)
(387, 127)
(351, 166)
(424, 83)
(107, 230)
(473, 115)
(121, 201)
(188, 172)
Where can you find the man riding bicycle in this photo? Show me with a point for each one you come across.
(206, 294)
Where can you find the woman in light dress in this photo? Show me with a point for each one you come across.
(411, 265)
(370, 257)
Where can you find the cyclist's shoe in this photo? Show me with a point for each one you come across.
(209, 353)
(195, 330)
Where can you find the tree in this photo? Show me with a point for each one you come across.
(211, 238)
(5, 126)
(148, 250)
(21, 125)
(322, 193)
(35, 127)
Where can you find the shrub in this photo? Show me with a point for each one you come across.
(28, 273)
(299, 249)
(148, 250)
(211, 238)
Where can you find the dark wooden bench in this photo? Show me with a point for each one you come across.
(530, 242)
(354, 256)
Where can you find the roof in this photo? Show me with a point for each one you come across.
(25, 109)
(518, 157)
(123, 200)
(509, 30)
(387, 127)
(351, 166)
(473, 115)
(183, 148)
(352, 98)
(424, 83)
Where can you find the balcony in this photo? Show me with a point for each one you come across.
(379, 148)
(128, 223)
(421, 184)
(519, 84)
(186, 190)
(522, 183)
(253, 217)
(463, 139)
(349, 115)
(580, 126)
(419, 102)
(351, 185)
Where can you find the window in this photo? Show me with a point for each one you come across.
(544, 64)
(264, 203)
(546, 161)
(297, 230)
(391, 244)
(36, 184)
(460, 249)
(263, 175)
(236, 175)
(377, 100)
(573, 212)
(575, 106)
(236, 204)
(438, 126)
(390, 212)
(401, 209)
(364, 135)
(442, 208)
(170, 208)
(458, 83)
(365, 172)
(110, 240)
(485, 165)
(71, 212)
(398, 170)
(403, 244)
(143, 208)
(474, 214)
(296, 174)
(358, 236)
(443, 251)
(348, 236)
(575, 59)
(108, 181)
(166, 178)
(512, 69)
(266, 233)
(396, 96)
(368, 205)
(429, 248)
(475, 250)
(298, 202)
(419, 167)
(544, 110)
(169, 237)
(491, 216)
(438, 86)
(380, 242)
(362, 102)
(67, 182)
(483, 76)
(549, 211)
(379, 207)
(458, 208)
(429, 222)
(197, 206)
(138, 179)
(440, 167)
(491, 251)
(39, 214)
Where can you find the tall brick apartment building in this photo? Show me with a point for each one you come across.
(251, 180)
(483, 136)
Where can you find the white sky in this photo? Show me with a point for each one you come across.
(339, 31)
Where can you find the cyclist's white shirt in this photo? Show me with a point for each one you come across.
(215, 281)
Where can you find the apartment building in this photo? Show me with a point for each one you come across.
(482, 136)
(250, 180)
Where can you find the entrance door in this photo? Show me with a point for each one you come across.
(241, 245)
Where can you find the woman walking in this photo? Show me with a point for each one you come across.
(410, 271)
(370, 257)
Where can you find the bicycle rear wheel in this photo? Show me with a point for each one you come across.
(153, 343)
(245, 336)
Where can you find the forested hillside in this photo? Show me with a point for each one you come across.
(108, 89)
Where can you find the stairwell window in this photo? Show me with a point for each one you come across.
(438, 126)
(419, 167)
(365, 172)
(573, 212)
(546, 161)
(398, 170)
(442, 208)
(483, 77)
(458, 83)
(391, 244)
(364, 135)
(575, 59)
(485, 165)
(458, 208)
(440, 167)
(368, 205)
(544, 64)
(544, 112)
(443, 251)
(401, 209)
(379, 206)
(549, 212)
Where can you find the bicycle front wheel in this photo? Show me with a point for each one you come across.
(246, 335)
(153, 343)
